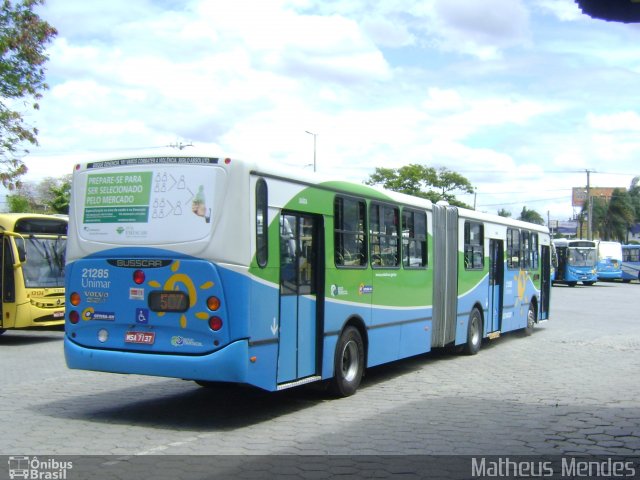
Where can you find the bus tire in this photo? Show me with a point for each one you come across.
(588, 284)
(572, 284)
(531, 321)
(348, 363)
(474, 332)
(2, 330)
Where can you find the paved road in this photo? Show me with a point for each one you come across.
(571, 388)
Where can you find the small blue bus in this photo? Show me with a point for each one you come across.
(577, 260)
(609, 260)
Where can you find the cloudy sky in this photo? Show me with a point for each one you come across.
(519, 96)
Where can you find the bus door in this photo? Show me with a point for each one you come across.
(545, 287)
(561, 269)
(301, 299)
(496, 282)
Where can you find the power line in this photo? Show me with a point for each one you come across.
(522, 202)
(515, 193)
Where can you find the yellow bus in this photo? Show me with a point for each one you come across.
(32, 279)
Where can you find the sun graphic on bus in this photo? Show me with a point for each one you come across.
(521, 280)
(173, 283)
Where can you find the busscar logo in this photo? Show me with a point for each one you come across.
(139, 262)
(33, 468)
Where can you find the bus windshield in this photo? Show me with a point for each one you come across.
(612, 250)
(582, 257)
(45, 262)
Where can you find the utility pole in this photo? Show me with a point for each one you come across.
(589, 207)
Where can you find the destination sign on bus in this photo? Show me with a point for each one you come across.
(168, 301)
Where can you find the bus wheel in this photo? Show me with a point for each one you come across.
(531, 321)
(474, 333)
(588, 284)
(2, 330)
(348, 363)
(573, 284)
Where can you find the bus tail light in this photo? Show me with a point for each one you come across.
(74, 316)
(75, 299)
(138, 277)
(213, 303)
(215, 323)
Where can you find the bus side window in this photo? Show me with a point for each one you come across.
(473, 246)
(535, 252)
(350, 241)
(8, 282)
(526, 250)
(262, 224)
(414, 238)
(384, 240)
(513, 248)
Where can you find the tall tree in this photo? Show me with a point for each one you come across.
(619, 216)
(50, 195)
(422, 181)
(60, 193)
(531, 216)
(612, 217)
(23, 38)
(634, 195)
(503, 212)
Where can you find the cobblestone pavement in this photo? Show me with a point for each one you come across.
(571, 388)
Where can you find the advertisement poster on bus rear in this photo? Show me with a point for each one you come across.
(160, 203)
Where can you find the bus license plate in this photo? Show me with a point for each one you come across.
(145, 338)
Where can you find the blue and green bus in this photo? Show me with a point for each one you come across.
(218, 270)
(630, 263)
(577, 262)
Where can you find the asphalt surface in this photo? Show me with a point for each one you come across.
(569, 389)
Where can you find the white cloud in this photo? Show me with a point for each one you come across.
(619, 121)
(565, 10)
(498, 90)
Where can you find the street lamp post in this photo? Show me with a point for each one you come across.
(315, 135)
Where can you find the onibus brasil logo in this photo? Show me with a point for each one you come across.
(33, 468)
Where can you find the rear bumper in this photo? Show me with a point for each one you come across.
(226, 365)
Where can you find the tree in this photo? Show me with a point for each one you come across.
(531, 216)
(634, 195)
(614, 217)
(60, 196)
(51, 195)
(18, 203)
(23, 37)
(504, 213)
(423, 181)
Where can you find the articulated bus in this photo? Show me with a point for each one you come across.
(217, 270)
(33, 262)
(609, 260)
(577, 260)
(630, 263)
